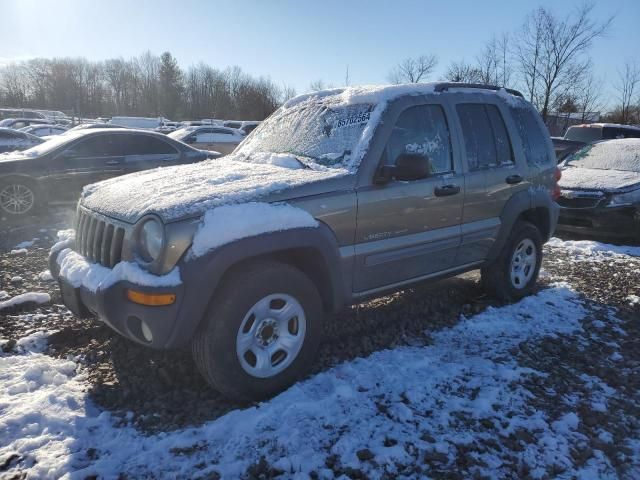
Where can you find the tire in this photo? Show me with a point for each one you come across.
(234, 328)
(19, 197)
(514, 273)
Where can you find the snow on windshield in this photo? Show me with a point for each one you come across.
(322, 134)
(622, 154)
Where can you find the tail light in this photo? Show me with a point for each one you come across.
(555, 191)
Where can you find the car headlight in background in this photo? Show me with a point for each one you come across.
(151, 240)
(625, 199)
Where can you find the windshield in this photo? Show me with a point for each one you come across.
(584, 134)
(318, 134)
(621, 154)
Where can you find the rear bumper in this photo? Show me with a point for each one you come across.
(152, 326)
(621, 222)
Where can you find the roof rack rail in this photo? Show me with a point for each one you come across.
(444, 86)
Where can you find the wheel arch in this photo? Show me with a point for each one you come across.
(314, 251)
(532, 205)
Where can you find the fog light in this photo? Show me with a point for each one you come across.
(146, 331)
(151, 299)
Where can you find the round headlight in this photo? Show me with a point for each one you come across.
(151, 240)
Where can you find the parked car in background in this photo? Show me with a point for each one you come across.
(384, 186)
(15, 140)
(137, 122)
(563, 147)
(18, 123)
(600, 190)
(56, 170)
(20, 113)
(245, 126)
(85, 126)
(594, 132)
(217, 139)
(44, 130)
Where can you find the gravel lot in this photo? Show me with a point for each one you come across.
(161, 391)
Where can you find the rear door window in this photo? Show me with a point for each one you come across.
(479, 143)
(146, 145)
(534, 137)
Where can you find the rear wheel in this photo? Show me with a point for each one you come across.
(18, 197)
(261, 332)
(514, 273)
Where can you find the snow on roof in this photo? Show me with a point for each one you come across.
(375, 94)
(364, 93)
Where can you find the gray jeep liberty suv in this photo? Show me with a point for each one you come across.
(339, 196)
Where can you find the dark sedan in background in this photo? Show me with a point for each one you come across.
(600, 190)
(11, 140)
(56, 170)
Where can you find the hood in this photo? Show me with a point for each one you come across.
(576, 178)
(185, 191)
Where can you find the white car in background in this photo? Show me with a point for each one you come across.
(44, 130)
(210, 137)
(244, 125)
(138, 122)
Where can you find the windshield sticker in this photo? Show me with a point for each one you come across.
(352, 120)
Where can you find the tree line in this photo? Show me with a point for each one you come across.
(147, 85)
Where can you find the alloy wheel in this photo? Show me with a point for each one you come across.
(16, 199)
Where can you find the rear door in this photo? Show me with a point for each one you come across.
(142, 152)
(492, 174)
(407, 230)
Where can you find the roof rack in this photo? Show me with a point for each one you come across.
(444, 86)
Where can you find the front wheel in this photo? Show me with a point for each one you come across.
(17, 197)
(514, 273)
(261, 332)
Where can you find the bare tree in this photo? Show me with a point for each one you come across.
(318, 85)
(627, 88)
(589, 96)
(413, 70)
(494, 61)
(463, 72)
(287, 92)
(552, 50)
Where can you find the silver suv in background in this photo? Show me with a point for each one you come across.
(339, 196)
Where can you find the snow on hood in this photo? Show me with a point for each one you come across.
(597, 179)
(188, 190)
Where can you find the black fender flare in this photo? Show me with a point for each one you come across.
(524, 201)
(203, 275)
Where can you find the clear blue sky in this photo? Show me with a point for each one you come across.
(292, 42)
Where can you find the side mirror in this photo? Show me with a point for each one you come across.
(409, 166)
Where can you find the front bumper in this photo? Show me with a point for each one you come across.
(153, 326)
(618, 222)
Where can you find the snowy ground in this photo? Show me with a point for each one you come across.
(434, 382)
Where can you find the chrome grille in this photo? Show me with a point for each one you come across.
(578, 199)
(98, 240)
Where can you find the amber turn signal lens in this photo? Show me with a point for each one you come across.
(151, 299)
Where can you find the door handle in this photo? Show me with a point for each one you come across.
(446, 190)
(513, 179)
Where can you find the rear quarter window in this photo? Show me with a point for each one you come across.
(534, 137)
